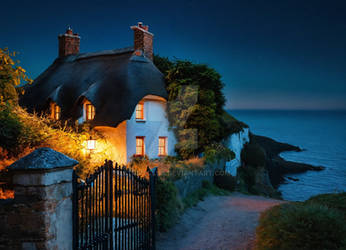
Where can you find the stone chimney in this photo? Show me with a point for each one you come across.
(143, 40)
(68, 43)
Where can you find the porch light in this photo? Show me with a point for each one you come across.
(91, 144)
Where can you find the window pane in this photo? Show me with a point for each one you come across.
(90, 111)
(140, 146)
(55, 111)
(162, 146)
(140, 111)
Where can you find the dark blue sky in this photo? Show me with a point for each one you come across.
(271, 54)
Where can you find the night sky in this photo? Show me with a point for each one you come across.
(271, 54)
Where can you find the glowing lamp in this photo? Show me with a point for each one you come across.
(91, 144)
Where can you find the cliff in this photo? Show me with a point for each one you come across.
(258, 165)
(236, 143)
(276, 165)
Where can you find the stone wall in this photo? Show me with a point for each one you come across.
(40, 215)
(193, 181)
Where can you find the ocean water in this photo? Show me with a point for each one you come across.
(322, 134)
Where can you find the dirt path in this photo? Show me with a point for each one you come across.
(218, 222)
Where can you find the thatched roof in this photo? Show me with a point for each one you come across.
(113, 81)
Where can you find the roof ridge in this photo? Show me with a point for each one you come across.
(104, 53)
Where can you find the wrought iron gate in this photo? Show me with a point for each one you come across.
(114, 209)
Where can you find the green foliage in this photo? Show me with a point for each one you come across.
(195, 107)
(232, 125)
(163, 64)
(246, 176)
(15, 136)
(301, 226)
(253, 155)
(336, 201)
(168, 206)
(11, 75)
(224, 180)
(218, 151)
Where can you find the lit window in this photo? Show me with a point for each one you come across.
(55, 111)
(89, 112)
(140, 145)
(140, 111)
(162, 146)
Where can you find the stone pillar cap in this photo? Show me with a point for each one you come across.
(43, 159)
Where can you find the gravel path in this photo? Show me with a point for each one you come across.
(218, 222)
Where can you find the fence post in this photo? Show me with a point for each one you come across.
(75, 210)
(152, 190)
(41, 217)
(111, 182)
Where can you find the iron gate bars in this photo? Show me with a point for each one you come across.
(114, 209)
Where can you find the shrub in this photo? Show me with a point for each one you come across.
(247, 179)
(301, 226)
(14, 134)
(168, 205)
(253, 155)
(224, 180)
(217, 151)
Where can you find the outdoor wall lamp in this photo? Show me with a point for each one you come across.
(91, 144)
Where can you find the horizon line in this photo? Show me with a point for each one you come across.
(283, 109)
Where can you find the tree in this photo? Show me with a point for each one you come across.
(11, 76)
(195, 105)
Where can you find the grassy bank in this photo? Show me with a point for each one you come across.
(318, 223)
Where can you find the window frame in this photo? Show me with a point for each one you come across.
(141, 116)
(91, 112)
(142, 147)
(55, 111)
(164, 147)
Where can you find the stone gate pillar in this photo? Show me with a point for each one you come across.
(40, 215)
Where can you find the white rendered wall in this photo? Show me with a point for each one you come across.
(236, 143)
(155, 124)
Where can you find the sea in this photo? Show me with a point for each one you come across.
(322, 135)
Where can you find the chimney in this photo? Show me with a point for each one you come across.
(68, 43)
(143, 40)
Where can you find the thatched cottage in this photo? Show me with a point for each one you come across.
(119, 92)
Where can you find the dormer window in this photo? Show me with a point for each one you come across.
(140, 111)
(55, 111)
(89, 112)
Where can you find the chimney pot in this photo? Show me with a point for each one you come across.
(69, 31)
(69, 43)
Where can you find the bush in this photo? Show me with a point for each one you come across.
(224, 180)
(14, 134)
(168, 205)
(301, 226)
(217, 151)
(253, 155)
